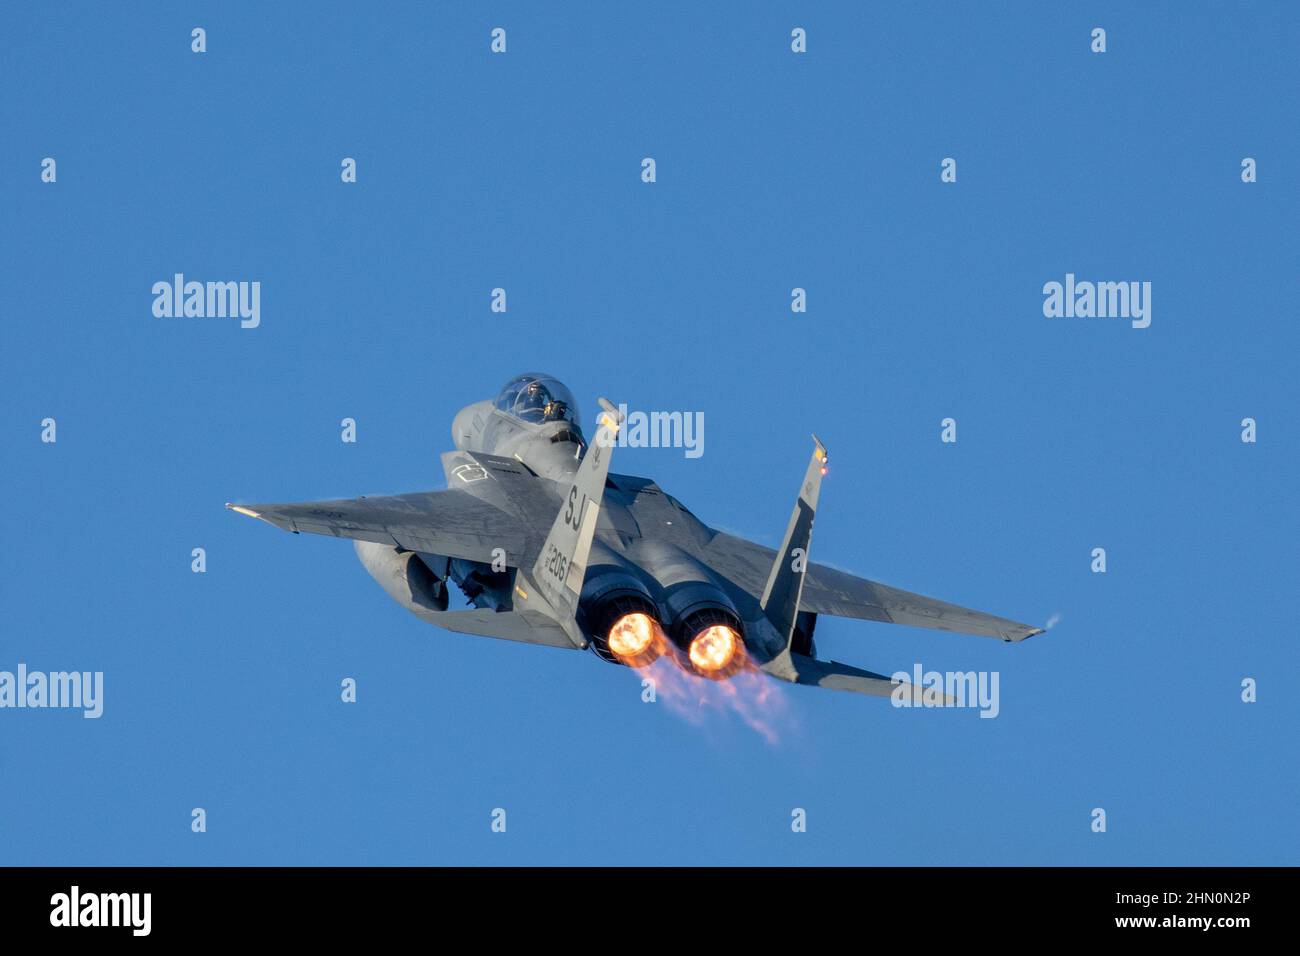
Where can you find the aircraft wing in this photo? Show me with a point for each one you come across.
(828, 591)
(452, 523)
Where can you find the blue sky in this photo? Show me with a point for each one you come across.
(774, 171)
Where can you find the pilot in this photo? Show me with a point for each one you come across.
(535, 397)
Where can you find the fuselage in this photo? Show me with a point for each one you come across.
(550, 449)
(641, 552)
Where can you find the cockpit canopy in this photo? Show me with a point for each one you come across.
(537, 398)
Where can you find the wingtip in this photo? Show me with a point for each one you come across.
(240, 509)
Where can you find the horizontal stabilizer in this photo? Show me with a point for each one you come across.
(833, 675)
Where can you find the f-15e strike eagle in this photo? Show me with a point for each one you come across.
(552, 548)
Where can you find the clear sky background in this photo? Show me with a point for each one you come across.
(774, 171)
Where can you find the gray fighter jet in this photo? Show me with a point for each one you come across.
(551, 548)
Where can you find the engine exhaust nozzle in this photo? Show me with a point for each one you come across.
(626, 630)
(713, 642)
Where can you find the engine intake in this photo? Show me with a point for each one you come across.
(405, 577)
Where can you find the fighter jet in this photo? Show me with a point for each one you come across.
(547, 546)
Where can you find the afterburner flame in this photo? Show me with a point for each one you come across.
(635, 639)
(716, 651)
(706, 700)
